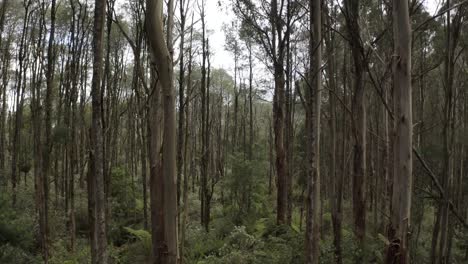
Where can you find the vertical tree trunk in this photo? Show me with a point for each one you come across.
(97, 185)
(335, 195)
(36, 114)
(19, 99)
(358, 123)
(181, 120)
(3, 94)
(279, 113)
(403, 141)
(313, 98)
(48, 109)
(278, 128)
(340, 180)
(188, 125)
(164, 207)
(251, 110)
(204, 167)
(453, 27)
(288, 114)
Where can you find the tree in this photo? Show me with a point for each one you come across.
(36, 112)
(19, 98)
(273, 41)
(97, 196)
(164, 210)
(205, 126)
(48, 108)
(5, 76)
(351, 14)
(312, 106)
(335, 182)
(403, 142)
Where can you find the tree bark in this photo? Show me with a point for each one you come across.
(351, 9)
(397, 251)
(313, 101)
(98, 185)
(334, 182)
(164, 222)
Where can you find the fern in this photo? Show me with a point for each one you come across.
(143, 236)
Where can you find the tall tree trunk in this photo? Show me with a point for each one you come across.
(278, 128)
(351, 9)
(335, 194)
(251, 110)
(181, 120)
(3, 94)
(164, 222)
(205, 149)
(279, 104)
(453, 27)
(397, 251)
(313, 98)
(36, 114)
(19, 99)
(187, 135)
(97, 186)
(48, 110)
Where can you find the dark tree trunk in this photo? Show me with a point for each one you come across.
(97, 184)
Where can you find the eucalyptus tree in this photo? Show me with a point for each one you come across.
(351, 14)
(403, 141)
(312, 107)
(164, 181)
(336, 180)
(96, 181)
(205, 125)
(266, 18)
(38, 43)
(453, 29)
(5, 62)
(20, 76)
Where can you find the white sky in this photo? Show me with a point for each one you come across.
(433, 5)
(219, 12)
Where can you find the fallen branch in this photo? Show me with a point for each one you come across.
(440, 189)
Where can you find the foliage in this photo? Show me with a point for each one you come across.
(17, 229)
(138, 249)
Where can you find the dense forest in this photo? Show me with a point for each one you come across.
(233, 131)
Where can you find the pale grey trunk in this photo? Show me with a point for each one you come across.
(403, 141)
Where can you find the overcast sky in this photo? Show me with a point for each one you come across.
(219, 12)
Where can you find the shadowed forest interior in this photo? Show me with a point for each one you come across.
(233, 131)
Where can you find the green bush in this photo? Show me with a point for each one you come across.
(17, 234)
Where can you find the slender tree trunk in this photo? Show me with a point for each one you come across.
(359, 124)
(313, 98)
(181, 120)
(19, 98)
(453, 26)
(335, 195)
(98, 196)
(36, 114)
(4, 79)
(48, 110)
(251, 110)
(205, 150)
(188, 125)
